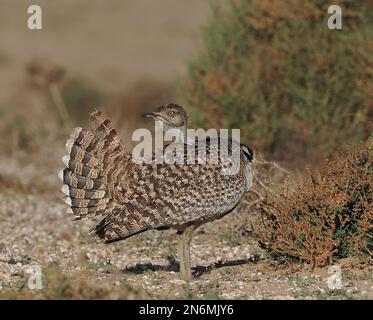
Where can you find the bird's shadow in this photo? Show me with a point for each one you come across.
(197, 271)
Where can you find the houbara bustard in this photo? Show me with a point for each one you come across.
(101, 178)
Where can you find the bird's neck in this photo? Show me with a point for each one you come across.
(182, 135)
(179, 134)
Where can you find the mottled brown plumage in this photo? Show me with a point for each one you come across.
(100, 178)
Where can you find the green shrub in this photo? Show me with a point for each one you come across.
(275, 70)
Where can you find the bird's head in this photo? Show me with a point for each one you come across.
(172, 115)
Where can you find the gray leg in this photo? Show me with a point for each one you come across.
(184, 239)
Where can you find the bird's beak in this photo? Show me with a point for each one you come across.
(153, 115)
(149, 115)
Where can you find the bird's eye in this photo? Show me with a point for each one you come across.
(171, 113)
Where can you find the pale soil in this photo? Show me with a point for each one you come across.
(228, 264)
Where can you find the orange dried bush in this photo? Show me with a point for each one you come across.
(327, 218)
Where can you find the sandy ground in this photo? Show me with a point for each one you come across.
(227, 262)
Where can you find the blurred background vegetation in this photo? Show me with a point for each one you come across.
(295, 88)
(273, 68)
(120, 56)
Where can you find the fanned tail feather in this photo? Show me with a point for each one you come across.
(89, 165)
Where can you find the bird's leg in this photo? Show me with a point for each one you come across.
(184, 239)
